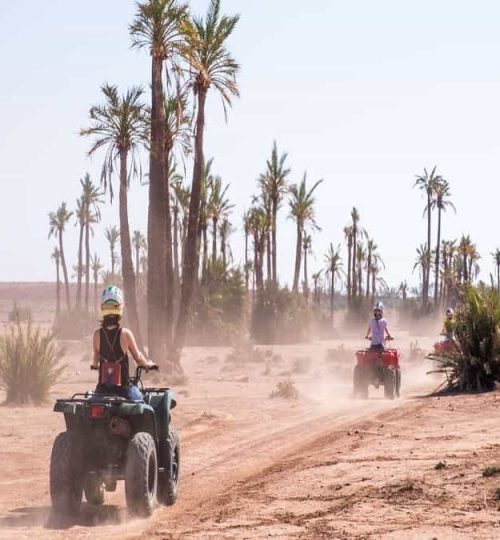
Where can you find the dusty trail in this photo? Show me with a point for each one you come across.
(230, 431)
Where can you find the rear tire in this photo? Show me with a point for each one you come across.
(168, 480)
(66, 474)
(141, 475)
(389, 383)
(94, 489)
(360, 383)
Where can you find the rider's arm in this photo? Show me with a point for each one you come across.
(131, 345)
(388, 333)
(368, 332)
(95, 350)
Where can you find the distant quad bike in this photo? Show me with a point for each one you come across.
(377, 369)
(445, 346)
(109, 438)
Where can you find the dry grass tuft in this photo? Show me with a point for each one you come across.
(286, 390)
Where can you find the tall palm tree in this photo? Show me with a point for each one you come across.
(371, 253)
(360, 261)
(57, 224)
(119, 128)
(306, 246)
(403, 290)
(157, 28)
(112, 235)
(333, 262)
(225, 230)
(92, 199)
(212, 66)
(96, 267)
(355, 238)
(80, 221)
(246, 229)
(301, 203)
(56, 256)
(496, 258)
(441, 201)
(179, 206)
(427, 183)
(274, 183)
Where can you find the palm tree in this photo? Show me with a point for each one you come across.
(403, 290)
(333, 267)
(211, 66)
(57, 223)
(316, 279)
(371, 254)
(218, 208)
(246, 228)
(80, 221)
(119, 127)
(274, 183)
(56, 256)
(355, 231)
(496, 258)
(348, 236)
(423, 263)
(157, 28)
(225, 230)
(96, 267)
(427, 183)
(112, 235)
(92, 198)
(306, 246)
(180, 205)
(139, 244)
(440, 201)
(301, 203)
(360, 260)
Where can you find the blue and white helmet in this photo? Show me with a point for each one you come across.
(112, 301)
(378, 307)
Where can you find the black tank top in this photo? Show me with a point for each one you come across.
(110, 350)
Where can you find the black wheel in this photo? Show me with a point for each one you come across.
(141, 475)
(360, 383)
(168, 480)
(94, 489)
(389, 383)
(398, 382)
(66, 474)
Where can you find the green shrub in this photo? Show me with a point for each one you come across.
(29, 364)
(19, 313)
(474, 365)
(491, 470)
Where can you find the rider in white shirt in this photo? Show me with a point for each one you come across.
(378, 330)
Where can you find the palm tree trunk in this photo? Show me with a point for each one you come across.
(246, 259)
(126, 254)
(58, 291)
(298, 256)
(214, 240)
(190, 262)
(332, 294)
(169, 270)
(349, 269)
(437, 262)
(353, 269)
(79, 269)
(374, 280)
(113, 258)
(368, 271)
(498, 277)
(157, 228)
(306, 284)
(65, 271)
(257, 263)
(273, 239)
(428, 269)
(176, 243)
(269, 258)
(96, 285)
(87, 264)
(223, 249)
(205, 251)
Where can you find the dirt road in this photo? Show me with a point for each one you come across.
(252, 467)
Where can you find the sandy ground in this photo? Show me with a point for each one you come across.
(323, 466)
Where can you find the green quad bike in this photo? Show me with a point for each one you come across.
(110, 438)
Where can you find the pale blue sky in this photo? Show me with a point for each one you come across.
(363, 94)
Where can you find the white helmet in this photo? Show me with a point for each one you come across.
(450, 313)
(112, 301)
(379, 307)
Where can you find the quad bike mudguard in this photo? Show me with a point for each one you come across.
(387, 358)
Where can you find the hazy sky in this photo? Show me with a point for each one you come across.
(363, 94)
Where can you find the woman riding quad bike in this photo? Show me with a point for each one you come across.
(378, 330)
(447, 343)
(111, 344)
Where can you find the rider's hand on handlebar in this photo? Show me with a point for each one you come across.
(151, 366)
(94, 368)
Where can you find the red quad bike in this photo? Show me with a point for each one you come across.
(445, 346)
(379, 368)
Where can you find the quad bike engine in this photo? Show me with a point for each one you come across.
(120, 427)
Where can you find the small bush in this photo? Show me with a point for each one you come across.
(19, 313)
(285, 390)
(29, 364)
(491, 470)
(440, 466)
(496, 494)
